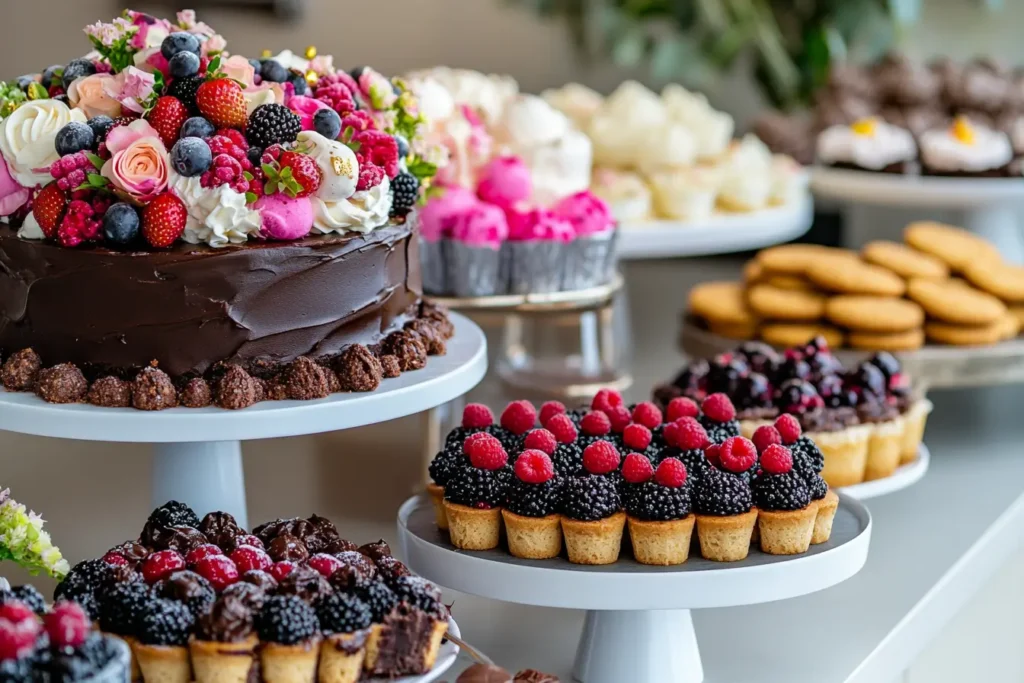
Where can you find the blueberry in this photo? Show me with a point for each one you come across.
(50, 73)
(74, 137)
(298, 82)
(403, 146)
(257, 65)
(255, 155)
(357, 72)
(197, 127)
(101, 125)
(327, 122)
(25, 81)
(184, 64)
(77, 69)
(121, 223)
(191, 156)
(179, 42)
(273, 71)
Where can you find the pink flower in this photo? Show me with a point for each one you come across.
(306, 108)
(376, 89)
(132, 87)
(322, 64)
(239, 68)
(139, 163)
(91, 94)
(12, 195)
(214, 44)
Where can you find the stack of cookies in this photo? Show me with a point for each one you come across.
(943, 284)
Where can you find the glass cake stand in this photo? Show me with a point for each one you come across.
(197, 451)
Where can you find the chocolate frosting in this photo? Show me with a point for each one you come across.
(305, 583)
(191, 306)
(228, 621)
(828, 419)
(484, 673)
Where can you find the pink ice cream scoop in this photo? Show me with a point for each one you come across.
(505, 181)
(438, 216)
(588, 213)
(285, 218)
(538, 224)
(481, 225)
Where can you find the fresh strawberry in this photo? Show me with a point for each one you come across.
(222, 103)
(304, 170)
(167, 117)
(163, 220)
(49, 207)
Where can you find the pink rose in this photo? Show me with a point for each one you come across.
(131, 88)
(92, 96)
(239, 68)
(12, 195)
(214, 44)
(139, 162)
(377, 89)
(306, 108)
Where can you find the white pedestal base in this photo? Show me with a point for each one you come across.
(206, 476)
(638, 646)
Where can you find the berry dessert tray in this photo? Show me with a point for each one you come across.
(198, 450)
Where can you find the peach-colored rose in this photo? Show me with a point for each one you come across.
(239, 68)
(90, 94)
(139, 163)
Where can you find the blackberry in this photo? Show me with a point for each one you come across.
(121, 606)
(173, 513)
(84, 579)
(807, 451)
(405, 188)
(651, 501)
(272, 124)
(444, 464)
(188, 588)
(590, 497)
(421, 594)
(695, 461)
(98, 650)
(722, 494)
(477, 488)
(30, 596)
(535, 500)
(380, 598)
(815, 484)
(164, 622)
(781, 491)
(16, 670)
(343, 613)
(185, 89)
(287, 620)
(568, 459)
(83, 662)
(576, 415)
(718, 432)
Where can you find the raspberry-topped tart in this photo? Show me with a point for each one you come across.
(808, 462)
(658, 509)
(475, 494)
(254, 216)
(724, 503)
(593, 519)
(531, 515)
(786, 511)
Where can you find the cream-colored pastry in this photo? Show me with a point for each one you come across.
(576, 101)
(789, 181)
(668, 146)
(488, 94)
(870, 143)
(1017, 135)
(686, 193)
(625, 192)
(711, 129)
(746, 175)
(621, 129)
(965, 147)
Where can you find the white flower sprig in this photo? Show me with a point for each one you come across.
(23, 541)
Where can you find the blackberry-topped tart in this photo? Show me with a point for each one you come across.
(785, 510)
(475, 493)
(592, 516)
(808, 462)
(255, 217)
(913, 408)
(658, 510)
(568, 455)
(686, 440)
(718, 415)
(724, 503)
(532, 521)
(476, 418)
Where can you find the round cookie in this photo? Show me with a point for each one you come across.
(796, 334)
(791, 282)
(964, 335)
(752, 271)
(1018, 313)
(906, 262)
(955, 247)
(954, 303)
(1003, 280)
(720, 302)
(785, 304)
(795, 259)
(734, 330)
(874, 313)
(1009, 326)
(886, 341)
(855, 277)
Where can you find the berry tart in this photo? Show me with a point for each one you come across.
(476, 418)
(291, 602)
(255, 217)
(724, 503)
(533, 525)
(475, 494)
(913, 408)
(658, 510)
(877, 408)
(592, 516)
(785, 511)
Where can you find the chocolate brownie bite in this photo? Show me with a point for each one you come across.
(110, 392)
(288, 548)
(196, 393)
(407, 348)
(305, 583)
(20, 370)
(152, 389)
(390, 367)
(356, 571)
(306, 380)
(358, 369)
(188, 588)
(236, 389)
(429, 334)
(62, 383)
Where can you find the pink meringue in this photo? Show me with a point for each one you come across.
(505, 182)
(285, 218)
(12, 195)
(588, 213)
(438, 215)
(481, 225)
(306, 108)
(538, 224)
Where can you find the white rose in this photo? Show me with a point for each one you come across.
(27, 138)
(337, 163)
(257, 98)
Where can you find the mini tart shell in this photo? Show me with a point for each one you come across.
(289, 663)
(827, 507)
(726, 538)
(596, 542)
(215, 662)
(163, 663)
(846, 454)
(341, 657)
(473, 528)
(436, 494)
(884, 446)
(913, 429)
(787, 532)
(662, 543)
(533, 538)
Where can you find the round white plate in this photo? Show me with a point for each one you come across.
(445, 658)
(722, 233)
(905, 476)
(443, 379)
(934, 192)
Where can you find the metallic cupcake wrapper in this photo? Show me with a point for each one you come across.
(591, 261)
(536, 267)
(434, 267)
(475, 271)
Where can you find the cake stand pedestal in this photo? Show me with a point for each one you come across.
(638, 626)
(989, 207)
(197, 451)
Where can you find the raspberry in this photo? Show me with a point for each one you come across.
(738, 454)
(647, 414)
(478, 438)
(199, 552)
(549, 410)
(563, 428)
(636, 437)
(681, 407)
(114, 558)
(279, 570)
(764, 436)
(220, 571)
(600, 457)
(690, 434)
(519, 417)
(671, 472)
(637, 469)
(534, 467)
(379, 149)
(161, 564)
(776, 459)
(486, 453)
(325, 564)
(17, 638)
(788, 428)
(541, 440)
(477, 416)
(16, 611)
(714, 454)
(67, 625)
(370, 176)
(247, 558)
(619, 418)
(595, 424)
(719, 408)
(605, 400)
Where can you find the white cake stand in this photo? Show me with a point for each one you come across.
(638, 626)
(904, 476)
(721, 233)
(989, 207)
(198, 456)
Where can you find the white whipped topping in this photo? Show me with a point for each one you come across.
(217, 216)
(436, 103)
(943, 151)
(560, 169)
(30, 229)
(634, 104)
(529, 122)
(711, 129)
(576, 101)
(626, 194)
(290, 60)
(746, 180)
(685, 194)
(338, 165)
(362, 212)
(27, 138)
(789, 180)
(888, 145)
(615, 145)
(256, 98)
(670, 145)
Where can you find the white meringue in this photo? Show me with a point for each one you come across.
(338, 165)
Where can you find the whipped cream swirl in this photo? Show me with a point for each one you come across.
(883, 145)
(217, 216)
(362, 212)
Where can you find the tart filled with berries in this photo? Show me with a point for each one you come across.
(808, 462)
(592, 516)
(658, 510)
(475, 494)
(476, 418)
(687, 441)
(533, 525)
(724, 503)
(718, 416)
(785, 510)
